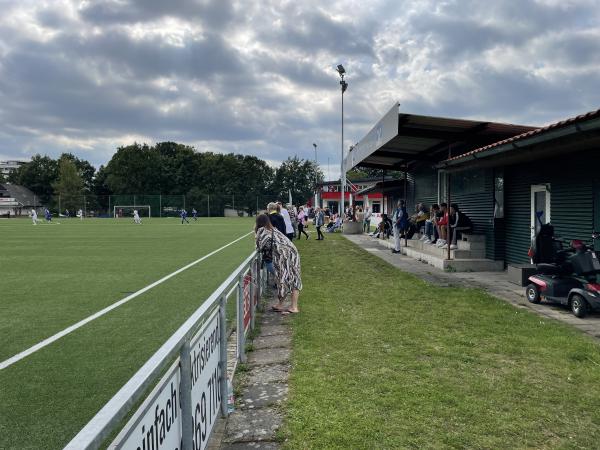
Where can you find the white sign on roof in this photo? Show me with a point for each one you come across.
(384, 131)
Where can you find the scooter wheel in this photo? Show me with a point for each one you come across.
(579, 306)
(532, 293)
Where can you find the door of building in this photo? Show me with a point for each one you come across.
(540, 207)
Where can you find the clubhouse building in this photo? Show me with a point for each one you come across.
(503, 176)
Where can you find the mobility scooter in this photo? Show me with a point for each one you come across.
(566, 276)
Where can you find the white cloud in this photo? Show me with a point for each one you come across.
(259, 77)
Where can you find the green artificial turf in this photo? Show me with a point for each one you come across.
(56, 275)
(382, 360)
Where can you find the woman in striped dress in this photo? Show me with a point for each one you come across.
(286, 262)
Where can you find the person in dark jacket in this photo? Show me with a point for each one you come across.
(319, 222)
(400, 220)
(459, 223)
(276, 218)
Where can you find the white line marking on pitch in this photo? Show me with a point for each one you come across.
(13, 359)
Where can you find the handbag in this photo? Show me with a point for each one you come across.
(267, 253)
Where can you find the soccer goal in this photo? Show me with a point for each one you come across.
(127, 211)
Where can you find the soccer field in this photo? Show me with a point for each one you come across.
(54, 275)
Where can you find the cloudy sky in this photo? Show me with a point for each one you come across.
(258, 77)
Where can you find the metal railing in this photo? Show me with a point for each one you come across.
(193, 348)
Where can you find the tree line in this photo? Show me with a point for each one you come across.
(168, 168)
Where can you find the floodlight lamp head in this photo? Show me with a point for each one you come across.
(341, 70)
(344, 86)
(314, 145)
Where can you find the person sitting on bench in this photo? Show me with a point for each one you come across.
(334, 225)
(459, 223)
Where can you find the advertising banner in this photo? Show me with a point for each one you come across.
(157, 423)
(206, 379)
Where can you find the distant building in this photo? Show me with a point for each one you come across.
(329, 194)
(16, 200)
(6, 167)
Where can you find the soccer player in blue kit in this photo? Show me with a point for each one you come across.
(184, 216)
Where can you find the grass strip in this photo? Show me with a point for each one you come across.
(384, 360)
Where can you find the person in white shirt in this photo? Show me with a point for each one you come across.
(289, 228)
(80, 214)
(34, 216)
(136, 217)
(367, 220)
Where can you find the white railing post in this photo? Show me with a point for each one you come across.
(185, 391)
(223, 359)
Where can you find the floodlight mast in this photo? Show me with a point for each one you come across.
(344, 86)
(316, 176)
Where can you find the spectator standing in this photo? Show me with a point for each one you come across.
(276, 218)
(286, 262)
(400, 221)
(294, 218)
(289, 228)
(367, 220)
(301, 223)
(319, 222)
(360, 215)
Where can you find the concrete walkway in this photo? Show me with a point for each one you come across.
(495, 283)
(263, 383)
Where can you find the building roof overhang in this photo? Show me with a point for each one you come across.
(567, 136)
(399, 140)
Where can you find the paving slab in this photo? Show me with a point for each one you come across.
(273, 373)
(272, 318)
(263, 394)
(272, 330)
(252, 426)
(273, 341)
(269, 356)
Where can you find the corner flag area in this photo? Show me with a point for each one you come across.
(57, 275)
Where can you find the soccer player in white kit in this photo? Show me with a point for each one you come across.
(136, 217)
(80, 214)
(34, 216)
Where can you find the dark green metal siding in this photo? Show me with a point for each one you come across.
(426, 186)
(571, 200)
(479, 205)
(517, 214)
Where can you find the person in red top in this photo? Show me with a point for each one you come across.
(442, 225)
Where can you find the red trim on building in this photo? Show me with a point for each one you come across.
(519, 137)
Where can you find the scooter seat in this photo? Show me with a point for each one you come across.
(549, 269)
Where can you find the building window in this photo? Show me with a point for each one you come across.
(468, 182)
(499, 194)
